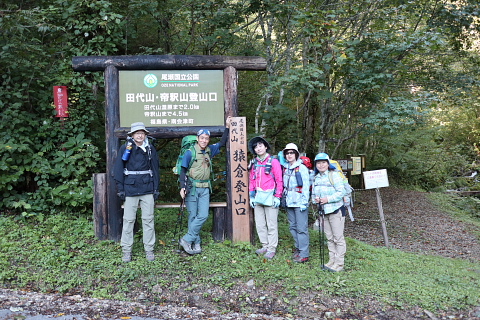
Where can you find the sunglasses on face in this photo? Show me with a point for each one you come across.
(289, 152)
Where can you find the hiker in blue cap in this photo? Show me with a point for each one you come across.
(328, 192)
(195, 186)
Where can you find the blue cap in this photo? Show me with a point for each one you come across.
(203, 131)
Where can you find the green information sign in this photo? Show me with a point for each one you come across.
(171, 98)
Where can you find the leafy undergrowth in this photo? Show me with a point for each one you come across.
(62, 255)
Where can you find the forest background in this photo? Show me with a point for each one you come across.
(392, 79)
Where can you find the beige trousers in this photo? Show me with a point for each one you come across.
(266, 224)
(147, 204)
(334, 227)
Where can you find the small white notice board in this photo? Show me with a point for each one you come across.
(375, 179)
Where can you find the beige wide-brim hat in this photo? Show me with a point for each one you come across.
(293, 147)
(137, 126)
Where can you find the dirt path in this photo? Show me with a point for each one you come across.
(413, 225)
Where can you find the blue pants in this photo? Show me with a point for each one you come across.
(299, 229)
(198, 206)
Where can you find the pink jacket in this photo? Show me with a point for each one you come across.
(260, 180)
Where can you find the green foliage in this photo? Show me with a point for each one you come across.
(339, 78)
(47, 162)
(60, 254)
(464, 208)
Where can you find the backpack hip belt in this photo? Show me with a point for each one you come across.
(127, 172)
(194, 185)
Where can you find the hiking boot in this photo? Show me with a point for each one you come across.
(299, 259)
(269, 255)
(127, 257)
(296, 253)
(328, 266)
(186, 246)
(150, 255)
(337, 267)
(261, 251)
(196, 248)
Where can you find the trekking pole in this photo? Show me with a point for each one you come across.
(321, 215)
(179, 224)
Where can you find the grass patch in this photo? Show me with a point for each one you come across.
(60, 254)
(465, 209)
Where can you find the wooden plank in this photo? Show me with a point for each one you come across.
(100, 217)
(172, 132)
(219, 220)
(177, 205)
(168, 62)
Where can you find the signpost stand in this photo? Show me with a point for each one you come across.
(374, 180)
(169, 96)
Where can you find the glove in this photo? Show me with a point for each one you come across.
(303, 208)
(252, 202)
(276, 202)
(121, 195)
(156, 194)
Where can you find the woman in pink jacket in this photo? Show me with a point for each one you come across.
(265, 188)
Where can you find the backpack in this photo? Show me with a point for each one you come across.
(268, 165)
(188, 143)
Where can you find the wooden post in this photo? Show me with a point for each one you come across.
(219, 222)
(239, 177)
(100, 217)
(231, 109)
(112, 120)
(382, 218)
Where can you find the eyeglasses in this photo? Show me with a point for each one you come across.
(290, 152)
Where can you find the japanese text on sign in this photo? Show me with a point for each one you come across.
(171, 98)
(375, 179)
(239, 178)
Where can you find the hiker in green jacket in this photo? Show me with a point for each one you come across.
(195, 186)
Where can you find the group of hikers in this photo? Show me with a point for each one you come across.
(287, 180)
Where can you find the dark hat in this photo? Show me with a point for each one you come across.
(253, 142)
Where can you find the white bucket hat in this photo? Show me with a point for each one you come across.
(137, 126)
(292, 146)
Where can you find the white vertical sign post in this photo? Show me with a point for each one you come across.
(374, 180)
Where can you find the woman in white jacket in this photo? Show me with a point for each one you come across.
(296, 188)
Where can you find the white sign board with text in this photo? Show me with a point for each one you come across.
(375, 179)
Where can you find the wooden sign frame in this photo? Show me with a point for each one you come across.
(111, 65)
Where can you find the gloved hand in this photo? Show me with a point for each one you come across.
(252, 198)
(121, 195)
(276, 202)
(156, 194)
(252, 202)
(303, 208)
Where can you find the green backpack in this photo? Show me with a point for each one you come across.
(188, 143)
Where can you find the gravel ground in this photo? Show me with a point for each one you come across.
(413, 225)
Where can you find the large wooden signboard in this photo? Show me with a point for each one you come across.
(179, 76)
(239, 180)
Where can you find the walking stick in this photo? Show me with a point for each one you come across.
(179, 224)
(321, 234)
